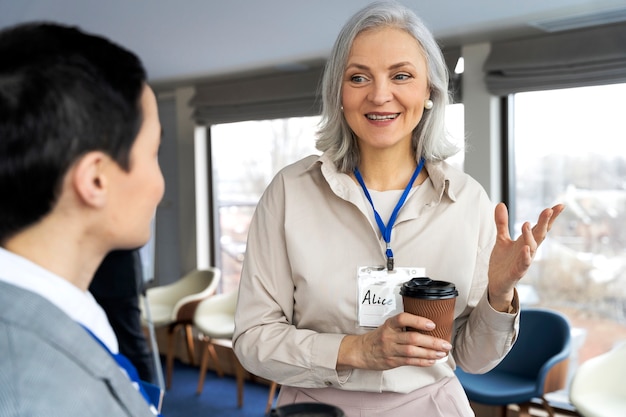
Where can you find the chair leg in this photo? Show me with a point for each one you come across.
(524, 410)
(170, 355)
(547, 406)
(240, 376)
(270, 397)
(216, 361)
(190, 344)
(204, 363)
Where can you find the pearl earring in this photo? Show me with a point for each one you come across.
(428, 104)
(341, 108)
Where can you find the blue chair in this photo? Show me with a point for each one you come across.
(543, 345)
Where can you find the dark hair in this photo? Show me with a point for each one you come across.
(63, 93)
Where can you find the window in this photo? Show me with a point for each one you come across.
(455, 127)
(245, 158)
(570, 147)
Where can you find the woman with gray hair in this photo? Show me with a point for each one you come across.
(319, 310)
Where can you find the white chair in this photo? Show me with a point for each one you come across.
(174, 305)
(215, 321)
(598, 388)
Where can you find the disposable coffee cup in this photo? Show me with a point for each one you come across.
(434, 300)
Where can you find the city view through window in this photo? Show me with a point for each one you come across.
(246, 156)
(570, 147)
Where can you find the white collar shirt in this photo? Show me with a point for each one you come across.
(77, 304)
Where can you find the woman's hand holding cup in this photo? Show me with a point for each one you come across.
(390, 345)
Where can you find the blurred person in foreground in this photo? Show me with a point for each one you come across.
(301, 319)
(116, 286)
(79, 177)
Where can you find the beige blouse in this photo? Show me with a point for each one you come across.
(298, 291)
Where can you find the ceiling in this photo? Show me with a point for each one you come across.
(195, 39)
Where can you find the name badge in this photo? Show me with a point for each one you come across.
(379, 292)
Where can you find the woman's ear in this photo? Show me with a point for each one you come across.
(89, 178)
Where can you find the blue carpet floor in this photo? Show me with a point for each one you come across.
(218, 397)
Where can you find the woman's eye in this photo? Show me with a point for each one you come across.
(402, 77)
(357, 79)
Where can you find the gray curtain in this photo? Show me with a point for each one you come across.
(257, 97)
(561, 60)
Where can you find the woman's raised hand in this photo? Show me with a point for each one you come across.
(510, 259)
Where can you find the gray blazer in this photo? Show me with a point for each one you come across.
(50, 366)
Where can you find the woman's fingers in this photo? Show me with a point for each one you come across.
(545, 222)
(413, 346)
(501, 216)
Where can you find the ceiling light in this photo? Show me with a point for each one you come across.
(460, 66)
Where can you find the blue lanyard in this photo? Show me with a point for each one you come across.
(151, 393)
(386, 230)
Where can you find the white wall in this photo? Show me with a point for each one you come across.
(175, 235)
(482, 123)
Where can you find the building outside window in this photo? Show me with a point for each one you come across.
(245, 157)
(570, 147)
